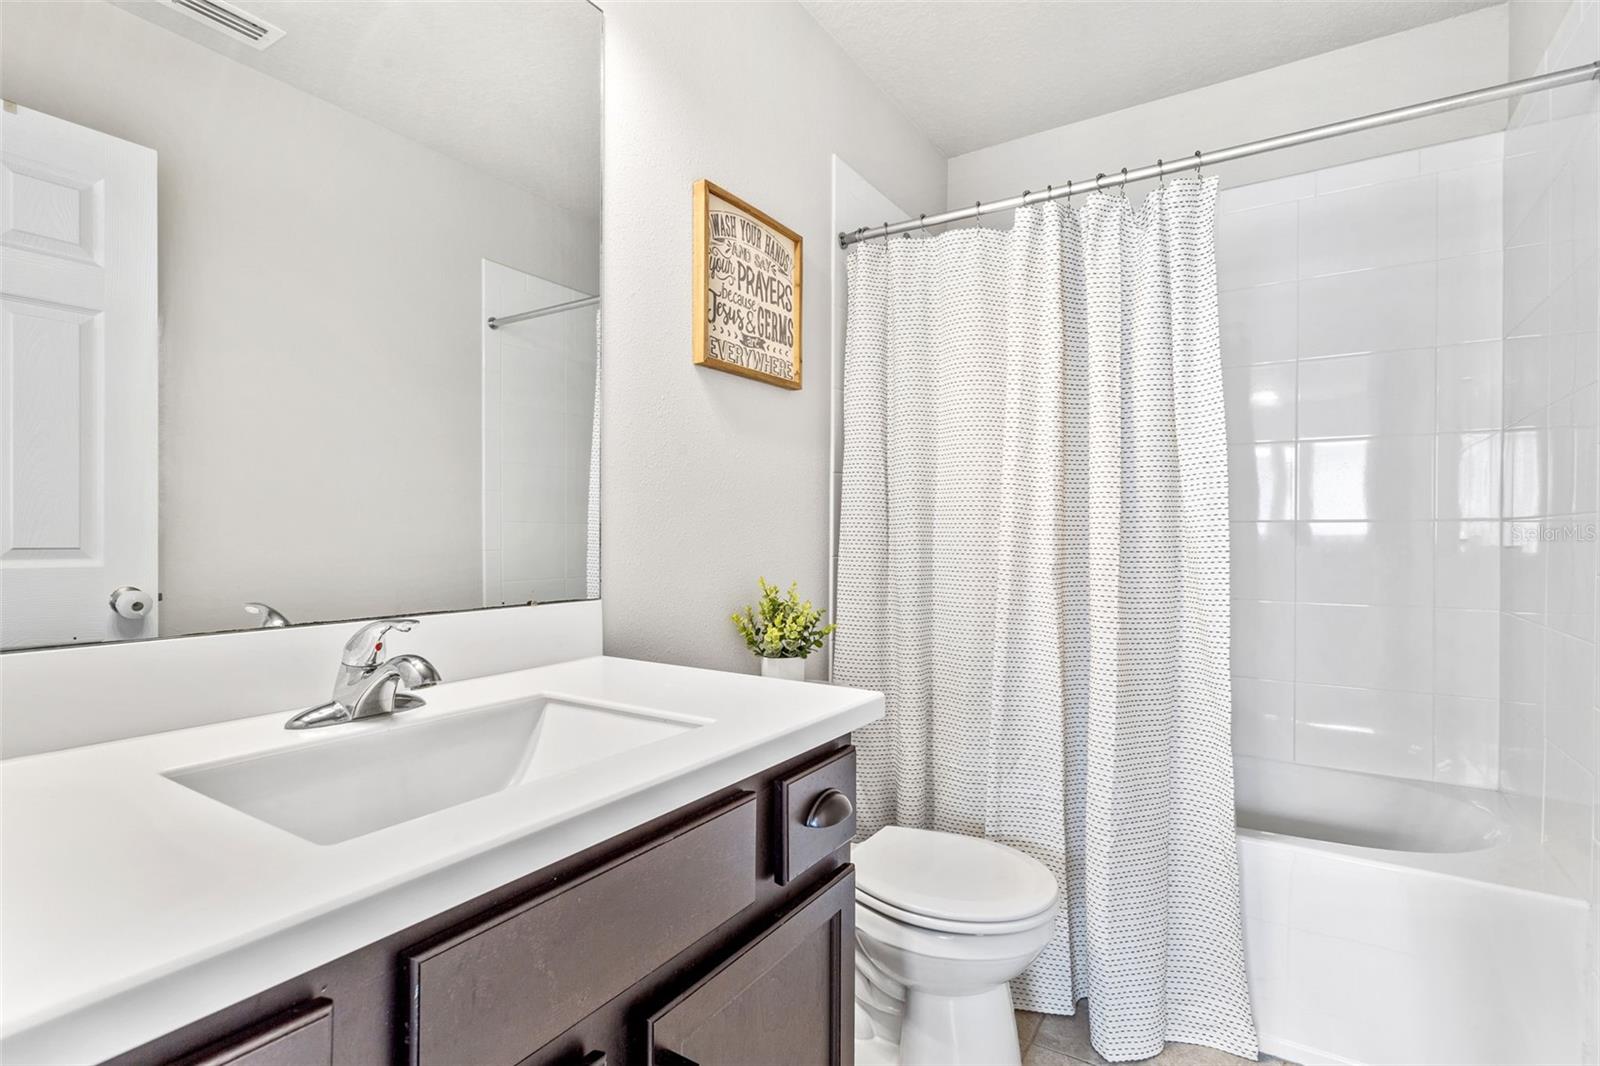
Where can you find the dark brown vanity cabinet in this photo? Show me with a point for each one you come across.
(720, 934)
(784, 999)
(300, 1036)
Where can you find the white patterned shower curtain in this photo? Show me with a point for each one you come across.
(1033, 566)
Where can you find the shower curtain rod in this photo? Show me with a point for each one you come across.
(1161, 167)
(540, 312)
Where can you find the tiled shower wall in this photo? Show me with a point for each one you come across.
(1361, 342)
(1550, 727)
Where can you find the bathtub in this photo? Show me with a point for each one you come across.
(1391, 921)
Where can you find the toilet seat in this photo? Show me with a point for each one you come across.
(948, 925)
(952, 883)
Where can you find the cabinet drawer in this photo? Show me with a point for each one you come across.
(816, 813)
(302, 1036)
(785, 999)
(494, 991)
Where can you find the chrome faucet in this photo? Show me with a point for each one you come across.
(367, 685)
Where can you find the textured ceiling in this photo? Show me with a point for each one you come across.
(509, 87)
(973, 74)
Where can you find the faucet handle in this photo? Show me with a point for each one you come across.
(362, 649)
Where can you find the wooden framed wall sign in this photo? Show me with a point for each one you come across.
(746, 289)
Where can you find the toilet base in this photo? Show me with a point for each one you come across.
(977, 1030)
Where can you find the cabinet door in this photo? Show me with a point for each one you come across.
(299, 1037)
(783, 1000)
(496, 990)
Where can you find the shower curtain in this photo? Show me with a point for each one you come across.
(1033, 566)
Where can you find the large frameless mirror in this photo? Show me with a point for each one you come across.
(299, 312)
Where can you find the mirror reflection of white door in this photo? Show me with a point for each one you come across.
(78, 398)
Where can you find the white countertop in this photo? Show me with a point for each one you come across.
(131, 905)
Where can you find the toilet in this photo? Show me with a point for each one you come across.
(943, 923)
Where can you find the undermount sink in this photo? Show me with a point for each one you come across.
(391, 771)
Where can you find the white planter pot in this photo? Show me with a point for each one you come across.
(788, 669)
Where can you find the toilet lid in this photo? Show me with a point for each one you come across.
(956, 878)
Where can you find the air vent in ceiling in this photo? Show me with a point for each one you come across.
(229, 20)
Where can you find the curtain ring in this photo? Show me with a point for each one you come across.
(1097, 179)
(1069, 192)
(1025, 194)
(1161, 174)
(1197, 163)
(922, 222)
(1123, 188)
(886, 231)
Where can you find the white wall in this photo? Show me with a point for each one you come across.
(1466, 52)
(710, 480)
(319, 299)
(1361, 364)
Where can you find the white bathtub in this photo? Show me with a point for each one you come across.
(1391, 921)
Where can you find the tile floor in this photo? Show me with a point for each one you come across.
(1057, 1040)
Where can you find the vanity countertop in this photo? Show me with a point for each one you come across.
(133, 905)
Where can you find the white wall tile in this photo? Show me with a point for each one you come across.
(533, 492)
(1364, 563)
(1364, 729)
(1260, 402)
(1263, 718)
(1374, 226)
(533, 550)
(1527, 286)
(1266, 193)
(1469, 298)
(1565, 493)
(1522, 662)
(1569, 698)
(1256, 247)
(1466, 653)
(1367, 395)
(1263, 640)
(1262, 560)
(1400, 470)
(1466, 565)
(1369, 311)
(1521, 754)
(1569, 813)
(1524, 562)
(1527, 376)
(1466, 741)
(1366, 479)
(1468, 386)
(1570, 577)
(1470, 216)
(1368, 172)
(1523, 466)
(1364, 646)
(1261, 481)
(1259, 325)
(1469, 151)
(1468, 475)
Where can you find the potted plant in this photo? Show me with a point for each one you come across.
(782, 630)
